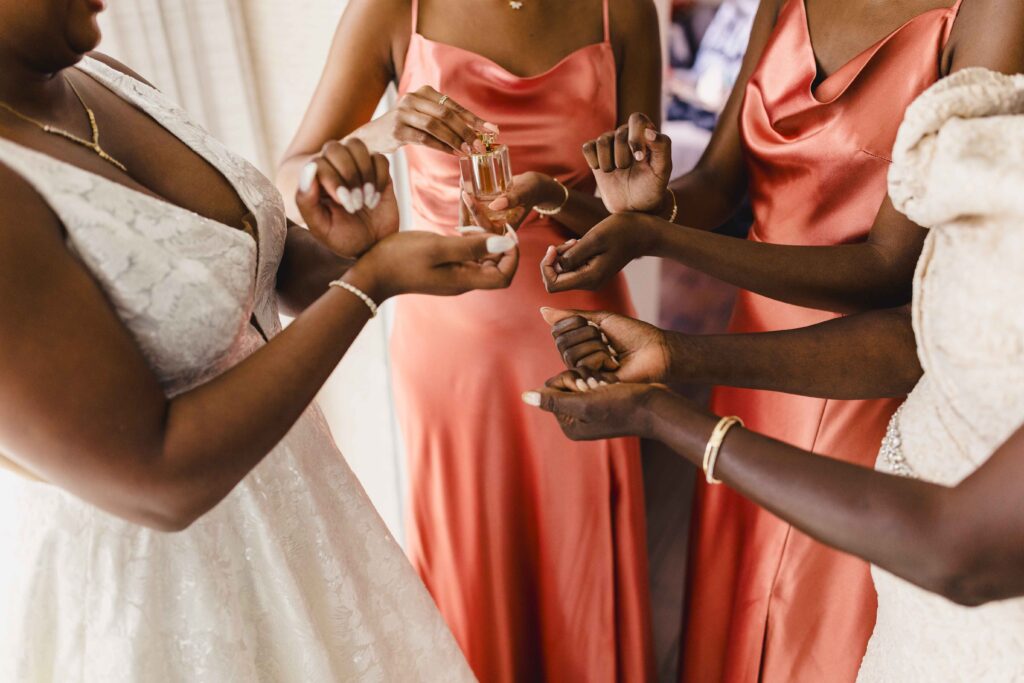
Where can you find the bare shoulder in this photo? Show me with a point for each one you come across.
(119, 66)
(987, 33)
(635, 20)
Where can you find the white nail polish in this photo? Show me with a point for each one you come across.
(469, 230)
(531, 398)
(603, 383)
(638, 155)
(499, 244)
(581, 385)
(306, 177)
(373, 201)
(357, 199)
(592, 383)
(368, 191)
(344, 197)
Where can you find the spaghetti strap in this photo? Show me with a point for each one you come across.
(415, 16)
(954, 12)
(607, 24)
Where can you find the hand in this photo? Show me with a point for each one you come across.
(607, 248)
(592, 406)
(528, 190)
(420, 118)
(601, 341)
(347, 199)
(420, 262)
(632, 165)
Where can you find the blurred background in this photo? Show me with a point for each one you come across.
(246, 70)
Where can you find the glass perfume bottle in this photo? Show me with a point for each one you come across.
(487, 175)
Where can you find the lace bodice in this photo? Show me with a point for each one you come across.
(958, 168)
(293, 577)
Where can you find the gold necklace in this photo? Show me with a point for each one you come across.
(60, 132)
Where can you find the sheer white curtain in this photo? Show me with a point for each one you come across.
(245, 69)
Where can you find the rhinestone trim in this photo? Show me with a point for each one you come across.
(892, 449)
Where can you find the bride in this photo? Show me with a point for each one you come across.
(941, 519)
(147, 387)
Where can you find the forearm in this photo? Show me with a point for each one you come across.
(706, 201)
(307, 268)
(891, 521)
(215, 434)
(846, 278)
(581, 212)
(863, 356)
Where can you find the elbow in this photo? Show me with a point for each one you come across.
(967, 582)
(171, 504)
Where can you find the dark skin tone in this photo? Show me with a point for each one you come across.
(963, 542)
(369, 52)
(82, 409)
(876, 273)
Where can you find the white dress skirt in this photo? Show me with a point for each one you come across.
(293, 577)
(958, 168)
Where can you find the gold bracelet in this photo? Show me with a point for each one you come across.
(359, 293)
(715, 445)
(556, 211)
(675, 206)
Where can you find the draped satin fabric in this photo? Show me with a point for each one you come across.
(766, 602)
(533, 546)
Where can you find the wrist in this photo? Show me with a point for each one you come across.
(553, 195)
(680, 360)
(363, 275)
(650, 410)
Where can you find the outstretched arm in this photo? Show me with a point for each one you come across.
(964, 542)
(869, 355)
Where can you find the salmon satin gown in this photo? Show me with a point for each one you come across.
(764, 599)
(533, 546)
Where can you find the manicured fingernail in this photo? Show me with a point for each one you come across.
(344, 197)
(493, 127)
(593, 324)
(550, 253)
(306, 177)
(603, 383)
(558, 268)
(368, 191)
(581, 385)
(498, 204)
(592, 383)
(469, 229)
(357, 199)
(479, 147)
(373, 200)
(569, 243)
(604, 338)
(651, 134)
(466, 148)
(511, 232)
(499, 244)
(545, 309)
(532, 398)
(638, 155)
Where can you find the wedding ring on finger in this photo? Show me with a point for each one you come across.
(444, 100)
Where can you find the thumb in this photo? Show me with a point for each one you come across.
(307, 200)
(473, 247)
(562, 403)
(661, 152)
(553, 316)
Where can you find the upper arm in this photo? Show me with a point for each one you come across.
(987, 33)
(80, 406)
(359, 67)
(724, 157)
(118, 66)
(640, 70)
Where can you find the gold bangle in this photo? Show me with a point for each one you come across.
(556, 211)
(715, 445)
(675, 206)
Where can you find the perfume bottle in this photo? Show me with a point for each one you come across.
(487, 175)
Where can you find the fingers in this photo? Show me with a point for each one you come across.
(477, 213)
(382, 178)
(434, 118)
(589, 277)
(578, 254)
(452, 250)
(590, 154)
(605, 153)
(307, 199)
(623, 153)
(660, 147)
(580, 380)
(639, 124)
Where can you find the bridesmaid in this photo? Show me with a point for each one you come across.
(536, 558)
(808, 132)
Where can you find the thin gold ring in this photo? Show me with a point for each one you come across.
(443, 100)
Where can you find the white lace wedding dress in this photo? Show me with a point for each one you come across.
(958, 167)
(292, 578)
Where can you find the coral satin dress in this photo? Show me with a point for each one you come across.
(764, 599)
(533, 546)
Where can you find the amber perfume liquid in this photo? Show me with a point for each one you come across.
(487, 176)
